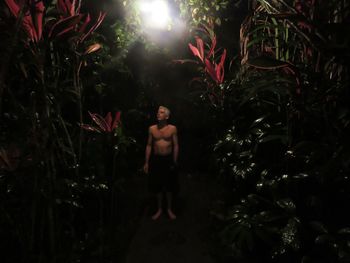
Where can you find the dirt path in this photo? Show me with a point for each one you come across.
(184, 239)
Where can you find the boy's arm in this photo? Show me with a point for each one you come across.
(175, 146)
(148, 150)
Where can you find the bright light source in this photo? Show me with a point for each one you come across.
(145, 7)
(155, 13)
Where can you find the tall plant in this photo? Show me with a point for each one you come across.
(39, 80)
(292, 157)
(285, 154)
(210, 63)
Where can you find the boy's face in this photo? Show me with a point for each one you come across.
(161, 115)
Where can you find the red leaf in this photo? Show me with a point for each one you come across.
(33, 30)
(200, 47)
(195, 51)
(89, 128)
(72, 7)
(66, 7)
(92, 48)
(211, 70)
(99, 120)
(13, 6)
(38, 18)
(86, 22)
(28, 26)
(223, 57)
(94, 27)
(64, 25)
(212, 48)
(108, 120)
(220, 69)
(61, 6)
(219, 73)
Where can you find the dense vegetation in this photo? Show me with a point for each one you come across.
(271, 79)
(285, 149)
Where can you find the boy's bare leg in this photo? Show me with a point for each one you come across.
(169, 198)
(159, 204)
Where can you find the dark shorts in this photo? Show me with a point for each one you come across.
(163, 174)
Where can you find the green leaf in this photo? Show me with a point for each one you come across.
(301, 176)
(257, 121)
(287, 204)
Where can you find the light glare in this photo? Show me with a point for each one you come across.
(145, 7)
(155, 13)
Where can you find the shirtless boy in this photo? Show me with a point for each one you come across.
(161, 160)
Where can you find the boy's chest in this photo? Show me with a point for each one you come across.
(162, 134)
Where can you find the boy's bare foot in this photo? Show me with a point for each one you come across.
(171, 215)
(157, 214)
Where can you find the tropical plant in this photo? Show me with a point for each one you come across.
(40, 88)
(105, 146)
(286, 116)
(212, 72)
(199, 11)
(304, 158)
(106, 124)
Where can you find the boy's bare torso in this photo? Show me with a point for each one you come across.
(162, 139)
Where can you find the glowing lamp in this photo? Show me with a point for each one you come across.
(155, 14)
